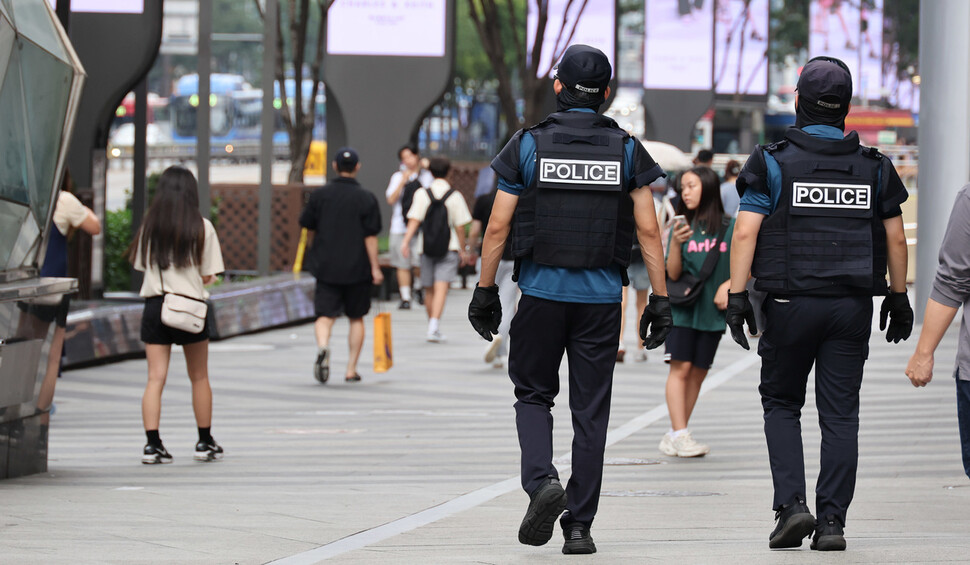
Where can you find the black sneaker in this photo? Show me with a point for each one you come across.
(155, 455)
(419, 296)
(545, 506)
(208, 451)
(795, 523)
(578, 540)
(321, 367)
(404, 305)
(829, 535)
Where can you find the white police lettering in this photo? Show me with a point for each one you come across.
(574, 171)
(826, 195)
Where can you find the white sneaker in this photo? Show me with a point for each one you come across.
(667, 446)
(435, 337)
(498, 363)
(492, 352)
(685, 446)
(640, 356)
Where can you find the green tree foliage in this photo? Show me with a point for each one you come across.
(501, 28)
(789, 29)
(117, 234)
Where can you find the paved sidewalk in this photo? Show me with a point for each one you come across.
(420, 464)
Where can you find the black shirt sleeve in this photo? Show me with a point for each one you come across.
(371, 219)
(754, 173)
(506, 163)
(892, 193)
(645, 169)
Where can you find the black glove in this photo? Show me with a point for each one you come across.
(896, 307)
(485, 311)
(739, 311)
(657, 317)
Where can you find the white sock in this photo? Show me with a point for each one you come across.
(677, 433)
(406, 293)
(432, 325)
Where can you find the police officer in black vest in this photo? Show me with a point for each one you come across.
(573, 192)
(819, 223)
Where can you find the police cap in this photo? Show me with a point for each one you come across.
(585, 69)
(826, 84)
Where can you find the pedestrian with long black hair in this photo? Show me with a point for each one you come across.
(178, 250)
(698, 327)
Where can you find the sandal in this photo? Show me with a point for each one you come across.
(355, 378)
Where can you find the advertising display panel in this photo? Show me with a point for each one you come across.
(741, 47)
(595, 25)
(678, 51)
(396, 28)
(852, 32)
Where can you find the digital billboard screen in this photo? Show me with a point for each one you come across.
(594, 25)
(741, 47)
(398, 28)
(852, 32)
(678, 48)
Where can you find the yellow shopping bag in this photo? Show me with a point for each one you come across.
(300, 250)
(383, 351)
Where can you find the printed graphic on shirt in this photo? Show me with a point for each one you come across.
(577, 171)
(830, 195)
(705, 245)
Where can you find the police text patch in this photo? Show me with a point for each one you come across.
(575, 171)
(828, 195)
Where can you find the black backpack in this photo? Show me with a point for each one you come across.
(437, 232)
(407, 196)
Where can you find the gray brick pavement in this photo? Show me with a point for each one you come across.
(419, 465)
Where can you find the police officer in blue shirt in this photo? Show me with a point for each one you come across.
(819, 223)
(573, 192)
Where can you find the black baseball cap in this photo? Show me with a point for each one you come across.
(585, 69)
(825, 84)
(346, 157)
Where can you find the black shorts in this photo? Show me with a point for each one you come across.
(694, 346)
(334, 300)
(155, 332)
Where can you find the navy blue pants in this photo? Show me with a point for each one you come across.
(589, 334)
(831, 333)
(963, 415)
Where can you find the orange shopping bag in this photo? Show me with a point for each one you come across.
(383, 351)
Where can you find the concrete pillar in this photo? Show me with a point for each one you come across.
(944, 129)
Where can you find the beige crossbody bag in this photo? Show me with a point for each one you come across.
(181, 312)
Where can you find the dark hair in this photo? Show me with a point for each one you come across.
(439, 167)
(732, 168)
(172, 233)
(704, 156)
(345, 166)
(710, 211)
(410, 147)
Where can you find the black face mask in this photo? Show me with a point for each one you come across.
(567, 100)
(808, 115)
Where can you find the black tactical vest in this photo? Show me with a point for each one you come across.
(576, 212)
(824, 237)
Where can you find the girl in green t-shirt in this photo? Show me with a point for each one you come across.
(698, 328)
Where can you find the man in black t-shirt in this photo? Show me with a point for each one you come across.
(346, 220)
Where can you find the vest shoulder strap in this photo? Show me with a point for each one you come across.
(776, 146)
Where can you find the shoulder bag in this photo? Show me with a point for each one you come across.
(687, 289)
(181, 312)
